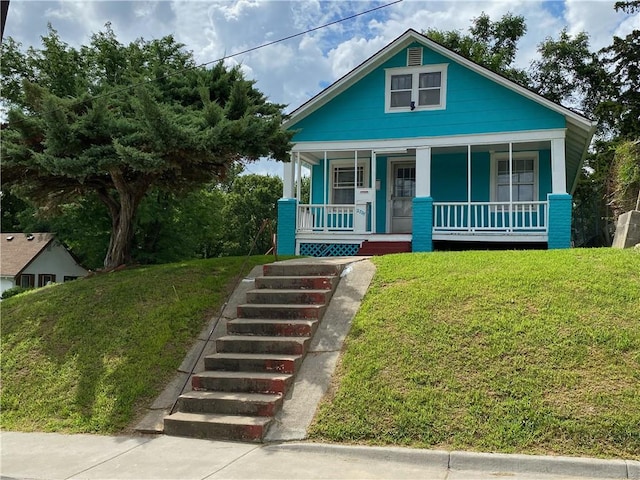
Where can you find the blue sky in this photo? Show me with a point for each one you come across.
(291, 72)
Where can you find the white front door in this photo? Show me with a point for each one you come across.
(402, 192)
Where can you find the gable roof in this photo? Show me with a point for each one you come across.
(404, 40)
(18, 250)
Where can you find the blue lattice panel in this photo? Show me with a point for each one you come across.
(329, 249)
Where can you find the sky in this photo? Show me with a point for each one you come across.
(293, 71)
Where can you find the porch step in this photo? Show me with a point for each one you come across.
(230, 403)
(217, 426)
(281, 311)
(271, 327)
(262, 344)
(253, 362)
(248, 382)
(297, 282)
(383, 248)
(314, 269)
(282, 295)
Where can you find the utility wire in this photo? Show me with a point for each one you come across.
(249, 50)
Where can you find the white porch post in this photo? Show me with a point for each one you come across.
(423, 172)
(299, 177)
(558, 171)
(469, 187)
(287, 178)
(373, 186)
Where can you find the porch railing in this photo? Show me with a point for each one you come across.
(519, 217)
(324, 218)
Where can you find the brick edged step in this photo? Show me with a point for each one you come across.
(253, 362)
(295, 296)
(293, 281)
(249, 382)
(230, 403)
(262, 344)
(302, 270)
(271, 327)
(282, 311)
(213, 425)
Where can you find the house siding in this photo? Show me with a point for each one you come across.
(55, 260)
(474, 105)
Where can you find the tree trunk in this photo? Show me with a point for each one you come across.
(119, 251)
(122, 212)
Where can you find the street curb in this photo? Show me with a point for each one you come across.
(543, 464)
(486, 462)
(433, 458)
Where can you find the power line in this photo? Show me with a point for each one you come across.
(249, 50)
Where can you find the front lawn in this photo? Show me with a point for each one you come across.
(89, 355)
(515, 351)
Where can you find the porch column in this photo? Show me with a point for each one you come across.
(558, 167)
(286, 232)
(287, 178)
(423, 172)
(422, 230)
(560, 202)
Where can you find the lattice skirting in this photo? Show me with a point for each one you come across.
(329, 249)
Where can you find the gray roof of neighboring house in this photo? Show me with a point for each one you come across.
(18, 250)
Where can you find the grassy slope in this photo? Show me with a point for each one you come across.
(535, 352)
(86, 356)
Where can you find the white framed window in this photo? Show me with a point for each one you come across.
(343, 182)
(416, 88)
(521, 180)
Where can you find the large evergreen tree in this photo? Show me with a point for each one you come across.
(119, 121)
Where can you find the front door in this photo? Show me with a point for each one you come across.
(404, 189)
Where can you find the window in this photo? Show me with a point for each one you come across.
(69, 278)
(45, 279)
(26, 280)
(416, 88)
(524, 175)
(343, 187)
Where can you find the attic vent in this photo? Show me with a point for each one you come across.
(414, 56)
(30, 237)
(9, 238)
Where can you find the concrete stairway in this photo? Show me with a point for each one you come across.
(245, 381)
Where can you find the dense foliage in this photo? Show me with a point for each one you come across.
(121, 123)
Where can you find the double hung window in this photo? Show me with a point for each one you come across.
(519, 183)
(416, 88)
(344, 183)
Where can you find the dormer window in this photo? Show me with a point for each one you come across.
(416, 88)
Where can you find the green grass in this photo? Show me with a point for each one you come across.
(519, 351)
(90, 355)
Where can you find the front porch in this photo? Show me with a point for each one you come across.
(486, 191)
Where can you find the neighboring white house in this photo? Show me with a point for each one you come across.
(34, 260)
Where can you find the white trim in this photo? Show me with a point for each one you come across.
(415, 87)
(416, 142)
(496, 156)
(391, 162)
(364, 163)
(558, 166)
(423, 172)
(498, 237)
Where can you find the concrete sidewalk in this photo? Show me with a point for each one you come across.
(54, 456)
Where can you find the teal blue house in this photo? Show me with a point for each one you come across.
(419, 145)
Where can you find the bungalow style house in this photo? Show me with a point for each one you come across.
(35, 260)
(419, 145)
